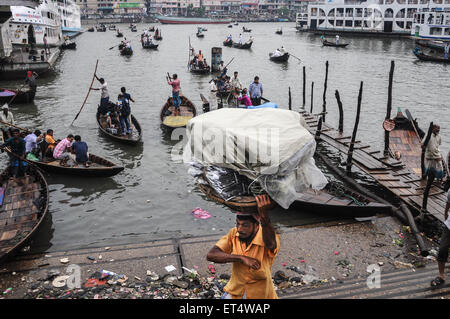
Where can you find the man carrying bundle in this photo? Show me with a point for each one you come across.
(251, 246)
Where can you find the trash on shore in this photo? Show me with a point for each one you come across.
(200, 213)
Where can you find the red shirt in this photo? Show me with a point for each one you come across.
(175, 85)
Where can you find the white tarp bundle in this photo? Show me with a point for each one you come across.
(268, 145)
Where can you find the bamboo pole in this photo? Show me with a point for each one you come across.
(325, 91)
(355, 129)
(389, 108)
(304, 87)
(319, 128)
(90, 88)
(341, 112)
(290, 100)
(312, 96)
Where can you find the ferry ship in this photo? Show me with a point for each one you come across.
(70, 17)
(434, 25)
(382, 17)
(186, 20)
(44, 19)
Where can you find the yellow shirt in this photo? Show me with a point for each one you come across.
(257, 284)
(49, 139)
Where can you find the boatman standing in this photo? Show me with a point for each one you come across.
(240, 38)
(175, 83)
(213, 94)
(433, 158)
(104, 94)
(31, 80)
(256, 91)
(337, 39)
(446, 49)
(251, 246)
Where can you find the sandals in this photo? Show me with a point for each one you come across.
(438, 281)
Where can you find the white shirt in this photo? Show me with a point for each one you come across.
(104, 90)
(30, 142)
(276, 53)
(8, 119)
(240, 39)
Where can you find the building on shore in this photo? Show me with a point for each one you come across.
(383, 17)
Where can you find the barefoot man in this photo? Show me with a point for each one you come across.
(251, 246)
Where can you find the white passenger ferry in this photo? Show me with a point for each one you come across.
(367, 16)
(433, 25)
(70, 17)
(44, 19)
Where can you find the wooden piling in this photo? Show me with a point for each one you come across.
(319, 128)
(290, 100)
(325, 91)
(389, 108)
(355, 129)
(341, 112)
(312, 96)
(412, 224)
(304, 86)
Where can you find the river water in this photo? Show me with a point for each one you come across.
(153, 197)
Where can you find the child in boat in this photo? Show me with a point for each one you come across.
(245, 99)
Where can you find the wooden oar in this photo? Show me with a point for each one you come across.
(90, 88)
(295, 57)
(265, 100)
(408, 115)
(17, 93)
(18, 127)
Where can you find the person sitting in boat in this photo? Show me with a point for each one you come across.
(31, 80)
(240, 38)
(282, 50)
(337, 39)
(446, 50)
(16, 145)
(276, 53)
(32, 140)
(200, 59)
(80, 153)
(63, 149)
(6, 117)
(417, 50)
(245, 99)
(48, 144)
(229, 38)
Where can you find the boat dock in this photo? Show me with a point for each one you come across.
(393, 175)
(20, 62)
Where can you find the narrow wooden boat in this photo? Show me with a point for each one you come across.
(246, 30)
(201, 70)
(133, 139)
(150, 46)
(23, 96)
(246, 45)
(98, 167)
(281, 58)
(23, 209)
(334, 199)
(119, 35)
(101, 29)
(279, 32)
(405, 144)
(69, 46)
(187, 110)
(236, 23)
(126, 51)
(435, 45)
(424, 57)
(134, 29)
(112, 27)
(230, 25)
(228, 43)
(152, 29)
(331, 44)
(91, 29)
(200, 35)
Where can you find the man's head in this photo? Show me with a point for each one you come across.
(50, 132)
(37, 133)
(175, 76)
(256, 79)
(235, 74)
(78, 138)
(5, 108)
(436, 129)
(102, 80)
(70, 137)
(15, 133)
(122, 89)
(244, 91)
(29, 74)
(247, 226)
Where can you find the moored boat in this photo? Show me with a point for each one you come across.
(187, 111)
(279, 32)
(200, 35)
(69, 46)
(131, 139)
(228, 43)
(246, 30)
(119, 34)
(281, 58)
(23, 96)
(425, 57)
(24, 206)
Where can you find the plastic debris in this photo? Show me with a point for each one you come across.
(64, 260)
(169, 268)
(399, 264)
(60, 281)
(200, 213)
(7, 291)
(212, 269)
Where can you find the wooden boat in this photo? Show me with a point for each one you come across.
(230, 25)
(126, 51)
(187, 110)
(246, 30)
(119, 35)
(91, 29)
(435, 45)
(334, 199)
(133, 139)
(112, 27)
(200, 35)
(246, 45)
(405, 144)
(24, 207)
(236, 23)
(152, 29)
(279, 32)
(69, 46)
(424, 57)
(281, 58)
(22, 97)
(228, 43)
(157, 37)
(101, 29)
(331, 44)
(150, 46)
(98, 167)
(203, 70)
(134, 29)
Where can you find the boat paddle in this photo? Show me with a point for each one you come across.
(20, 89)
(408, 115)
(265, 100)
(15, 126)
(90, 88)
(295, 57)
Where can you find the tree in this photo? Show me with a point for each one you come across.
(283, 12)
